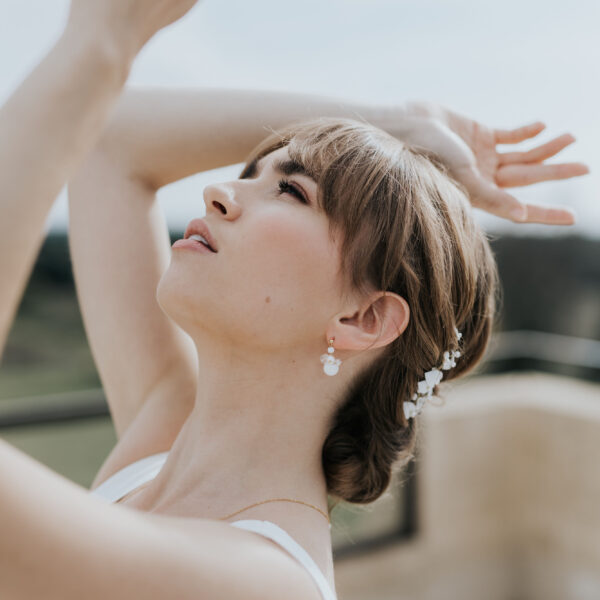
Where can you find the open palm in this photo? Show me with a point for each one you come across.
(468, 149)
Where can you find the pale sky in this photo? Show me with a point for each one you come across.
(504, 63)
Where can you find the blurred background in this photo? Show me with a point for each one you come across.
(501, 500)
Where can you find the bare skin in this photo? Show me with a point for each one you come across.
(221, 351)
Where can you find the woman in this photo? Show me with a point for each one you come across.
(337, 237)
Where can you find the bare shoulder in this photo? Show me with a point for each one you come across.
(60, 542)
(264, 569)
(203, 558)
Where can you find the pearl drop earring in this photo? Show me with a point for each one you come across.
(331, 365)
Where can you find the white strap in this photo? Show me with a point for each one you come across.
(130, 477)
(284, 539)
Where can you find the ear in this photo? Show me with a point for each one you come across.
(381, 318)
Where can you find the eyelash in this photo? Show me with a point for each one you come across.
(285, 187)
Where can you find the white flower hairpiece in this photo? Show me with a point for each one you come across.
(413, 407)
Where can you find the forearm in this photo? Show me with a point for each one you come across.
(46, 127)
(161, 136)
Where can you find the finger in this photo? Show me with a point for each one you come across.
(513, 136)
(527, 174)
(538, 154)
(501, 204)
(486, 196)
(508, 207)
(549, 215)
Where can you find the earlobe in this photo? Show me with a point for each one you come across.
(378, 322)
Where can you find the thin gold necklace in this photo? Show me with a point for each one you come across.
(276, 500)
(251, 506)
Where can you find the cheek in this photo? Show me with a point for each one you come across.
(293, 258)
(278, 280)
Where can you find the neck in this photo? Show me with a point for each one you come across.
(255, 433)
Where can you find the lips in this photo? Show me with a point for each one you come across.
(199, 227)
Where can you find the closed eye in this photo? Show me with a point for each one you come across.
(286, 187)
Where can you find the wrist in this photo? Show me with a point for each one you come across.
(401, 120)
(109, 53)
(425, 109)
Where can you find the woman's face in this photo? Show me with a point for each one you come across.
(274, 281)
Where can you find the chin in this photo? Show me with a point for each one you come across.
(192, 308)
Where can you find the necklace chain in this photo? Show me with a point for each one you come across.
(252, 505)
(275, 500)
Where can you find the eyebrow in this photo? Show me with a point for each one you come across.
(291, 167)
(285, 167)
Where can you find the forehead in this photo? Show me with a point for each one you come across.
(269, 159)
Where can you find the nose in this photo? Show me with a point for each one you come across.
(221, 197)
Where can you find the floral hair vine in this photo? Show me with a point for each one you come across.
(424, 392)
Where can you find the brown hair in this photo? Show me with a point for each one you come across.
(407, 228)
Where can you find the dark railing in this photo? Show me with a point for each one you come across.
(52, 408)
(523, 350)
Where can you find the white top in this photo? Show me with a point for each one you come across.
(142, 471)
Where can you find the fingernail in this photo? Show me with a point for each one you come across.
(519, 213)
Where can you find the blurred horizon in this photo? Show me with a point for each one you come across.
(504, 65)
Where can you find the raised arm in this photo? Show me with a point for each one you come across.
(45, 129)
(162, 135)
(54, 118)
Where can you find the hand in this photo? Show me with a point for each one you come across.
(130, 22)
(468, 149)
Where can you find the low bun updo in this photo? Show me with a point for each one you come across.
(407, 228)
